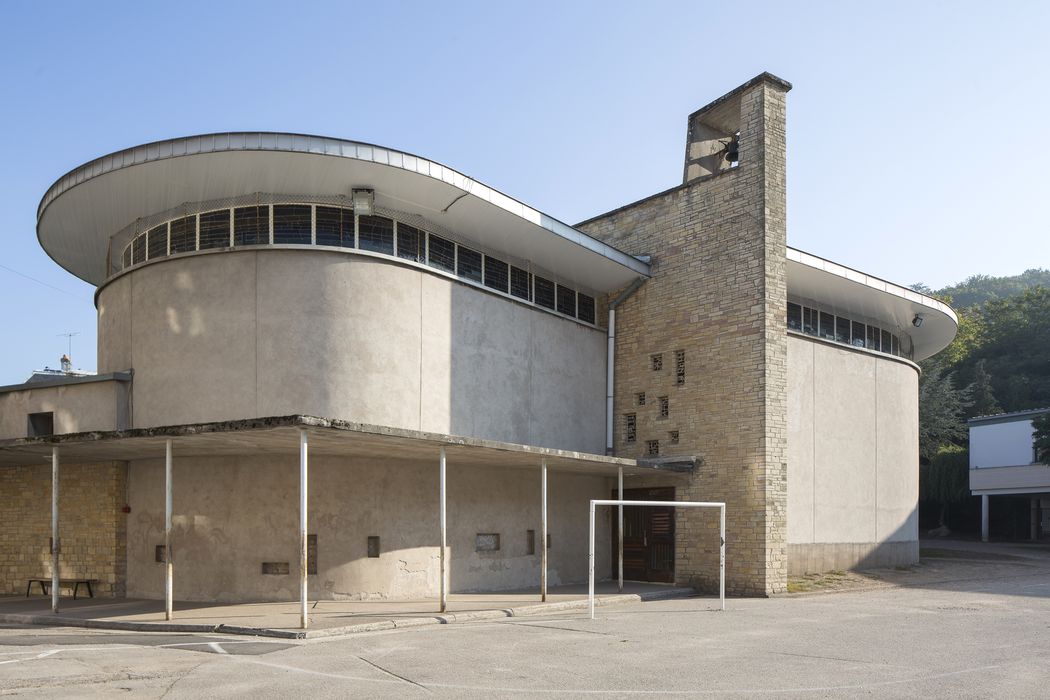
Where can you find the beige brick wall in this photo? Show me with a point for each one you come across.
(718, 293)
(92, 526)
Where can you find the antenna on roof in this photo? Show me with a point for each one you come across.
(69, 338)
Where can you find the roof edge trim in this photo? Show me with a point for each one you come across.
(237, 141)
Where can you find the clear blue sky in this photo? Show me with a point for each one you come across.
(919, 132)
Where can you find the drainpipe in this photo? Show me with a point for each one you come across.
(611, 361)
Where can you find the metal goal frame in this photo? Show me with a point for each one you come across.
(662, 504)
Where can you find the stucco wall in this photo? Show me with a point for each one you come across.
(77, 407)
(1006, 444)
(272, 332)
(231, 515)
(853, 465)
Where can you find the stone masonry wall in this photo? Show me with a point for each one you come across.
(718, 294)
(92, 526)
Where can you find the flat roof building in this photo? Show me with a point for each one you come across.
(1003, 462)
(262, 295)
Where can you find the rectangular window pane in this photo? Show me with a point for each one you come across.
(842, 326)
(184, 235)
(895, 345)
(809, 321)
(410, 242)
(827, 326)
(496, 272)
(858, 335)
(251, 226)
(794, 317)
(521, 283)
(158, 242)
(544, 292)
(630, 427)
(127, 256)
(335, 226)
(442, 253)
(886, 342)
(585, 308)
(215, 229)
(138, 249)
(566, 301)
(291, 224)
(375, 233)
(874, 338)
(469, 264)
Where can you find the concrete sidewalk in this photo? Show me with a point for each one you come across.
(327, 617)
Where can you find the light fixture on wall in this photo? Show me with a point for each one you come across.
(364, 201)
(917, 321)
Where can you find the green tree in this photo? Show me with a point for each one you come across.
(946, 479)
(1042, 438)
(982, 395)
(1014, 341)
(942, 406)
(968, 338)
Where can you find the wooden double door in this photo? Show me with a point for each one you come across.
(648, 537)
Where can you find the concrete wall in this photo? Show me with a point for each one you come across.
(77, 407)
(271, 332)
(1033, 478)
(1006, 444)
(718, 294)
(231, 515)
(853, 458)
(91, 525)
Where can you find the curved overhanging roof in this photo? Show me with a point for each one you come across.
(850, 292)
(84, 208)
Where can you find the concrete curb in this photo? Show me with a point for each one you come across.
(442, 619)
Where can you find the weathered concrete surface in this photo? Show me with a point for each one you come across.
(968, 635)
(853, 458)
(249, 333)
(234, 513)
(82, 406)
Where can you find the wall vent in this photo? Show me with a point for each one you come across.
(486, 542)
(275, 568)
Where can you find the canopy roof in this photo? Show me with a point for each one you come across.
(329, 437)
(849, 291)
(84, 208)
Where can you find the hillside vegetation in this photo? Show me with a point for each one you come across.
(999, 361)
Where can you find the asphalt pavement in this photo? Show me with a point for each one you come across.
(978, 629)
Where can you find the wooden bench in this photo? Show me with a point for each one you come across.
(75, 583)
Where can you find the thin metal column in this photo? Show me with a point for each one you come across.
(722, 555)
(302, 526)
(168, 569)
(984, 517)
(444, 532)
(55, 542)
(590, 563)
(543, 532)
(619, 528)
(1034, 519)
